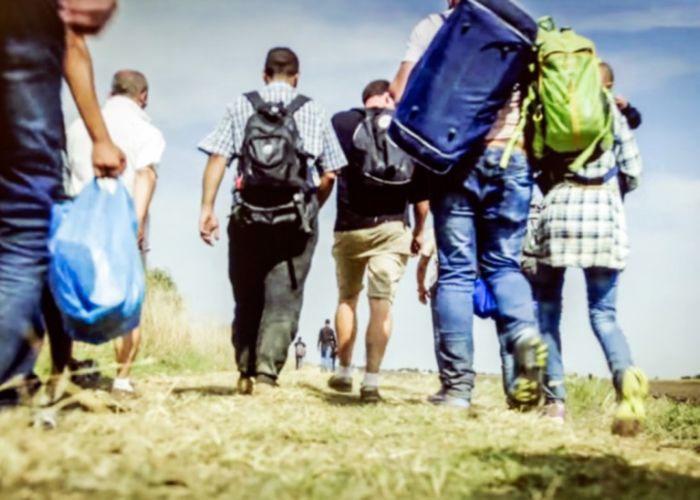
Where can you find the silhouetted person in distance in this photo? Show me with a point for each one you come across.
(299, 352)
(326, 344)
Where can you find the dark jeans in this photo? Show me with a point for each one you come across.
(31, 140)
(601, 289)
(480, 220)
(268, 266)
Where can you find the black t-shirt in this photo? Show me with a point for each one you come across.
(326, 336)
(361, 206)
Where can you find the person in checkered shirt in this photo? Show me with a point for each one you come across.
(581, 224)
(269, 264)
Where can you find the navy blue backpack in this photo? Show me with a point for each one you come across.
(465, 77)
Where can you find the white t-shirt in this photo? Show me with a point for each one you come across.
(423, 34)
(130, 128)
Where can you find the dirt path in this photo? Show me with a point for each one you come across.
(193, 437)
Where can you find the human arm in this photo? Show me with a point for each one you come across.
(633, 116)
(330, 161)
(398, 85)
(421, 272)
(627, 156)
(213, 175)
(144, 187)
(86, 16)
(325, 187)
(420, 215)
(418, 42)
(108, 160)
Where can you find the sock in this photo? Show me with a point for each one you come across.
(371, 380)
(122, 384)
(345, 371)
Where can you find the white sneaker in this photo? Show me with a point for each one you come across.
(123, 385)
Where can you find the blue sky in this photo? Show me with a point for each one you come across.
(199, 54)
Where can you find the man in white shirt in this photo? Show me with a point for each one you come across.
(143, 144)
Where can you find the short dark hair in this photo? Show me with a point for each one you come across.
(375, 88)
(281, 61)
(328, 322)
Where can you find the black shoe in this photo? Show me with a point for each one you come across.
(370, 394)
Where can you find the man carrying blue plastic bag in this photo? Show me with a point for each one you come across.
(143, 145)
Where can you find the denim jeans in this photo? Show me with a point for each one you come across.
(31, 140)
(268, 287)
(601, 288)
(326, 361)
(480, 218)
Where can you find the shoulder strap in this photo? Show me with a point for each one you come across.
(255, 99)
(297, 103)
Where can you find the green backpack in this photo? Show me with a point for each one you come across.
(566, 104)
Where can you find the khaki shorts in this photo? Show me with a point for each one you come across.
(383, 251)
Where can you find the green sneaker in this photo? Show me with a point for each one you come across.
(339, 383)
(630, 412)
(530, 362)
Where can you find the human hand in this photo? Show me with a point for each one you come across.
(621, 102)
(107, 159)
(208, 226)
(423, 294)
(141, 238)
(416, 243)
(86, 16)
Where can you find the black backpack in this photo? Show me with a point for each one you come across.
(273, 187)
(381, 162)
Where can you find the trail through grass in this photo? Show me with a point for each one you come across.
(193, 437)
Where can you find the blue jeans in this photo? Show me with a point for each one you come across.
(480, 220)
(31, 140)
(507, 359)
(326, 361)
(601, 288)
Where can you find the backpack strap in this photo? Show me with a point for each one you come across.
(297, 103)
(255, 99)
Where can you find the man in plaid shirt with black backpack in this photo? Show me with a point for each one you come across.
(286, 155)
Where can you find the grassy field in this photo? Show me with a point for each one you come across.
(188, 435)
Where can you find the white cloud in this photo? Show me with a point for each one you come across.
(199, 54)
(659, 15)
(646, 71)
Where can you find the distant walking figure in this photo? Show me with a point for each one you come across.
(299, 352)
(326, 345)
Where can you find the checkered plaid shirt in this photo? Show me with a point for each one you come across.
(315, 130)
(584, 226)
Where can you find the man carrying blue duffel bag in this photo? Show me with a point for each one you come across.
(458, 88)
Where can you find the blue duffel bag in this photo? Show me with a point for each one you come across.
(96, 274)
(465, 77)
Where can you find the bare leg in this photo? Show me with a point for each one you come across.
(346, 329)
(126, 349)
(378, 333)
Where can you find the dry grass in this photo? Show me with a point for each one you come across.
(189, 435)
(192, 437)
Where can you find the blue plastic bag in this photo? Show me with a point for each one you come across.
(484, 302)
(96, 274)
